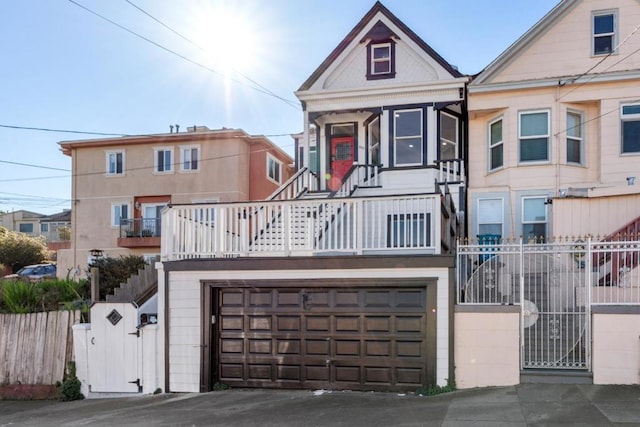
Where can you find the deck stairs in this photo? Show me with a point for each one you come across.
(614, 266)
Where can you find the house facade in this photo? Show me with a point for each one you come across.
(22, 221)
(344, 279)
(121, 185)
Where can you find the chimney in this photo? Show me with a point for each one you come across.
(170, 128)
(177, 128)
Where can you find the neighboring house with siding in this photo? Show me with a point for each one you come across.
(22, 221)
(344, 279)
(555, 127)
(120, 185)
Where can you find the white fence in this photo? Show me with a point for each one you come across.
(593, 272)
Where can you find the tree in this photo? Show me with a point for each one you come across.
(18, 249)
(114, 271)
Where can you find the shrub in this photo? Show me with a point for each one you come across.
(70, 386)
(433, 390)
(20, 297)
(68, 293)
(114, 271)
(18, 249)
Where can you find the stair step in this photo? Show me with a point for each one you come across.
(555, 376)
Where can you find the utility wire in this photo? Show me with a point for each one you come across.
(33, 166)
(60, 130)
(166, 49)
(293, 103)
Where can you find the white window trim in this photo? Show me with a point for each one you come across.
(182, 149)
(614, 40)
(547, 135)
(270, 157)
(374, 61)
(627, 117)
(107, 155)
(580, 139)
(456, 142)
(497, 144)
(522, 214)
(501, 214)
(113, 213)
(371, 147)
(395, 138)
(155, 161)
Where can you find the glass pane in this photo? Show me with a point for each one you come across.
(631, 137)
(313, 160)
(380, 67)
(574, 125)
(573, 151)
(603, 24)
(533, 149)
(497, 160)
(194, 158)
(381, 52)
(447, 151)
(408, 123)
(496, 132)
(490, 211)
(534, 210)
(602, 45)
(534, 124)
(342, 130)
(495, 229)
(631, 109)
(343, 151)
(408, 151)
(448, 128)
(534, 231)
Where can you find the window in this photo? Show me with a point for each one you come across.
(115, 163)
(408, 137)
(574, 138)
(408, 230)
(25, 227)
(313, 159)
(163, 160)
(44, 228)
(119, 212)
(534, 136)
(534, 218)
(448, 137)
(490, 216)
(604, 32)
(190, 158)
(381, 60)
(496, 146)
(274, 169)
(373, 135)
(630, 115)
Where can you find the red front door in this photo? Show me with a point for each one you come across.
(342, 157)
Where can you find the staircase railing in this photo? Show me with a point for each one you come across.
(620, 262)
(450, 171)
(302, 181)
(357, 176)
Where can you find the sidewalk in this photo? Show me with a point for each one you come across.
(522, 405)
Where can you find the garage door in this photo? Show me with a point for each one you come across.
(358, 339)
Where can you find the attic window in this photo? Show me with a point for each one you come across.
(381, 60)
(604, 32)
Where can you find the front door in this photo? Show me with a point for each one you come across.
(342, 157)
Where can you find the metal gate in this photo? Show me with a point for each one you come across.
(549, 282)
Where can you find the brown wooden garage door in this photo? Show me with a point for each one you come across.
(359, 339)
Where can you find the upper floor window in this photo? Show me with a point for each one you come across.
(496, 146)
(381, 60)
(274, 169)
(190, 158)
(490, 217)
(448, 137)
(630, 116)
(163, 160)
(119, 212)
(604, 32)
(115, 162)
(534, 136)
(407, 137)
(575, 147)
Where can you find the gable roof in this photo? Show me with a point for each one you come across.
(377, 8)
(533, 34)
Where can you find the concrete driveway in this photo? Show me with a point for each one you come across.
(522, 405)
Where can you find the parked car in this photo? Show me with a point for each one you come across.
(34, 273)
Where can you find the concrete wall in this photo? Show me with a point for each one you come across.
(487, 346)
(616, 346)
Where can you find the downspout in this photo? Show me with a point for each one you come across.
(74, 205)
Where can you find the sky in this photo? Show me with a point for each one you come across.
(143, 65)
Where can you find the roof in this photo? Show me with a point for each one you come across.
(201, 134)
(377, 8)
(24, 214)
(64, 216)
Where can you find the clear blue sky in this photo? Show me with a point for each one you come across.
(65, 68)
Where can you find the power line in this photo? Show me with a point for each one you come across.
(60, 130)
(33, 166)
(166, 49)
(293, 103)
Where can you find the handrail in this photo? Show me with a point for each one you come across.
(303, 180)
(352, 180)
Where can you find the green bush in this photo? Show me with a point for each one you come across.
(433, 390)
(63, 293)
(70, 386)
(18, 250)
(20, 297)
(114, 271)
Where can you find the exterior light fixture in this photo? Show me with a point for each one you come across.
(631, 180)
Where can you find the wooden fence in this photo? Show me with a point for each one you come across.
(35, 347)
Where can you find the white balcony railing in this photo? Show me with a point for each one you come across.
(304, 227)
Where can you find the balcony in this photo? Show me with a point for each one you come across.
(140, 233)
(412, 224)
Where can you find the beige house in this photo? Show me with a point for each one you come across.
(555, 127)
(23, 221)
(120, 185)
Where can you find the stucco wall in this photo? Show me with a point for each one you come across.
(616, 348)
(487, 347)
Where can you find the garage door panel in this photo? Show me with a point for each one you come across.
(322, 338)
